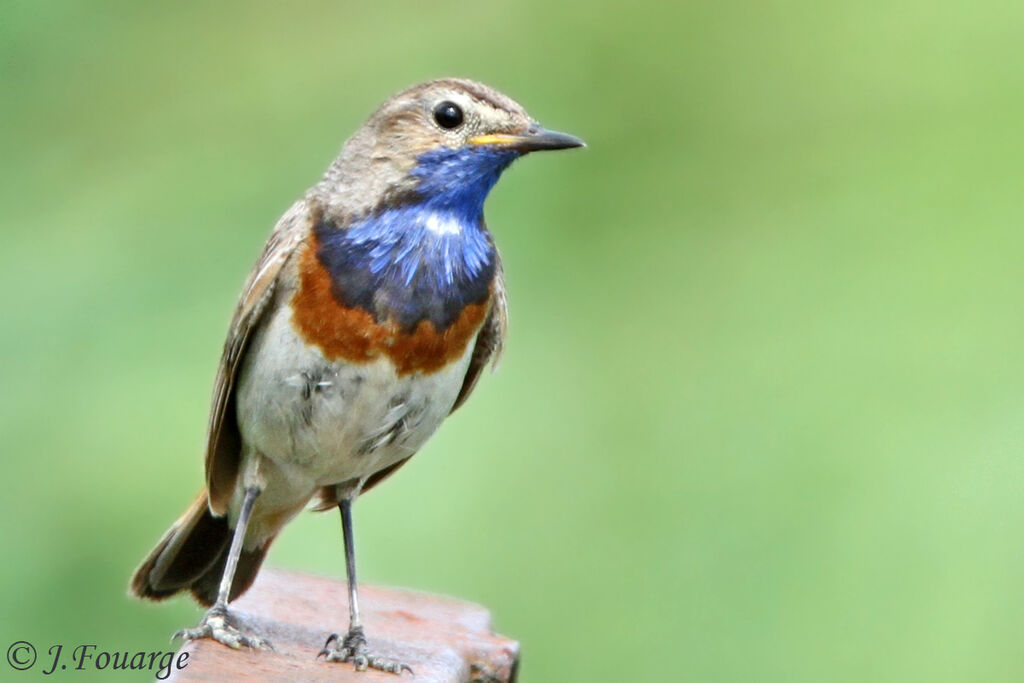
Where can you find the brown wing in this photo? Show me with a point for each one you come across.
(490, 341)
(224, 442)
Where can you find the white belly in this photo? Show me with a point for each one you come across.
(325, 422)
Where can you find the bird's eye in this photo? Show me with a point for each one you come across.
(448, 115)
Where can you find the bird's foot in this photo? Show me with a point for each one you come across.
(352, 648)
(216, 624)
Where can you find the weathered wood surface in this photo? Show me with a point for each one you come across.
(442, 639)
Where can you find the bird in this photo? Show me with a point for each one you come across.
(368, 318)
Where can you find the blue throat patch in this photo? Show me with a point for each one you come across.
(424, 260)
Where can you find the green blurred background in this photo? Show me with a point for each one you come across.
(761, 415)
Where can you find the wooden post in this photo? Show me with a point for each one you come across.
(443, 640)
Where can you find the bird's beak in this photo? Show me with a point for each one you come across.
(534, 139)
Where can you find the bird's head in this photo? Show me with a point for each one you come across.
(443, 143)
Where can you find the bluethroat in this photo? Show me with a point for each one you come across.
(366, 321)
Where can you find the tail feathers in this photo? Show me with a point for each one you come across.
(205, 588)
(192, 555)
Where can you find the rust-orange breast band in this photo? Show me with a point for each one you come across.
(352, 334)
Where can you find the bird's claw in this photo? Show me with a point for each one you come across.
(216, 625)
(353, 649)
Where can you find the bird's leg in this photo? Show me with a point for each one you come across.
(216, 623)
(352, 648)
